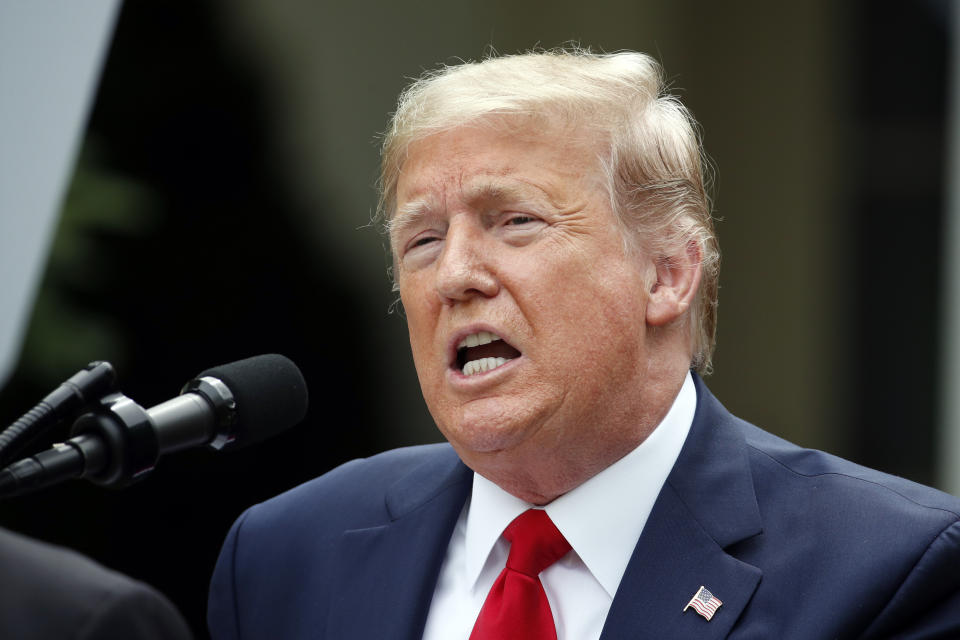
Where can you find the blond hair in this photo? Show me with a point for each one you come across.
(651, 157)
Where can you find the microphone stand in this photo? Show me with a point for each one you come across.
(113, 445)
(73, 396)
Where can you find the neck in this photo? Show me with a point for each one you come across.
(540, 471)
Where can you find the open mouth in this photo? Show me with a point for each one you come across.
(483, 351)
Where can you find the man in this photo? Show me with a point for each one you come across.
(555, 257)
(47, 592)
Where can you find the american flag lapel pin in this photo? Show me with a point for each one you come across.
(704, 602)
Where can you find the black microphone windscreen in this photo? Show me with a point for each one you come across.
(270, 393)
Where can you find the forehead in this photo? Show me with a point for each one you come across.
(470, 164)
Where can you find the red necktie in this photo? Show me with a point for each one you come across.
(517, 606)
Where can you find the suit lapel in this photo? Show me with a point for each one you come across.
(706, 506)
(387, 573)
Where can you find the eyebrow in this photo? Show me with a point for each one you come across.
(411, 214)
(408, 216)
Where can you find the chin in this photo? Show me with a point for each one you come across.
(492, 431)
(485, 438)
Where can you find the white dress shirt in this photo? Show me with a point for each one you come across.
(601, 519)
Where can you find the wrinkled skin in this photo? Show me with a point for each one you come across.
(514, 234)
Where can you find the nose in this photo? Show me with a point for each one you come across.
(464, 269)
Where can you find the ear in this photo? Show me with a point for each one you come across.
(678, 278)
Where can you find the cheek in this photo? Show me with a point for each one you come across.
(598, 321)
(596, 292)
(419, 325)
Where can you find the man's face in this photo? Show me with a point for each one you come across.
(525, 310)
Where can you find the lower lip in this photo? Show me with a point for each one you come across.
(457, 377)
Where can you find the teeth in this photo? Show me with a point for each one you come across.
(477, 339)
(483, 364)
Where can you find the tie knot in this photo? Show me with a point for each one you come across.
(535, 542)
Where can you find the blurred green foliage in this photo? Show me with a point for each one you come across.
(65, 330)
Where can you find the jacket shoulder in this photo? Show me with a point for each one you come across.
(90, 600)
(773, 456)
(881, 547)
(353, 494)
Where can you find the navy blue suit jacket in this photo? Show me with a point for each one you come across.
(795, 543)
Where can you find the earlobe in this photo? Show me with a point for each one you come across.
(676, 284)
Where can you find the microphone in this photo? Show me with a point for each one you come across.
(224, 407)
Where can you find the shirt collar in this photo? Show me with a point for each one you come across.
(592, 517)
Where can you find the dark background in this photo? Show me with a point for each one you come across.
(214, 214)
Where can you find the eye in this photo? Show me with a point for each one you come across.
(520, 219)
(520, 229)
(419, 242)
